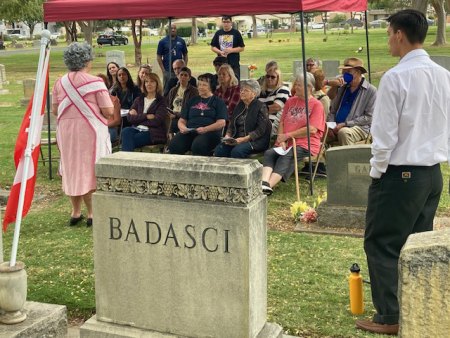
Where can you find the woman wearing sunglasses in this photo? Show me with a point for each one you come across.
(274, 95)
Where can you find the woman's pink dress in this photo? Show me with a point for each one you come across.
(76, 137)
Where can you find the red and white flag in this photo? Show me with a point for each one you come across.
(19, 158)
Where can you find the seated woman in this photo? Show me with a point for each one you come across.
(179, 96)
(125, 90)
(228, 89)
(147, 116)
(143, 72)
(201, 121)
(111, 71)
(277, 167)
(115, 121)
(249, 128)
(274, 95)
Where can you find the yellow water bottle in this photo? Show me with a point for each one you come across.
(355, 283)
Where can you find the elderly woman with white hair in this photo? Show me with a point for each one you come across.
(249, 128)
(279, 161)
(82, 105)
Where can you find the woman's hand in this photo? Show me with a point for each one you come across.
(283, 145)
(202, 130)
(150, 116)
(240, 140)
(282, 138)
(132, 112)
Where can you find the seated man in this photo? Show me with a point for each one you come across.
(353, 100)
(173, 81)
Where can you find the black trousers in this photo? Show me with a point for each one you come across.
(402, 202)
(199, 144)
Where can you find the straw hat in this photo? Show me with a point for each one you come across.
(350, 63)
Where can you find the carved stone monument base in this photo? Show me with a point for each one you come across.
(340, 216)
(100, 329)
(424, 289)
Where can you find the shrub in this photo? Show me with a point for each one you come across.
(184, 32)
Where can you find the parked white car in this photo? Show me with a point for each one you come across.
(317, 25)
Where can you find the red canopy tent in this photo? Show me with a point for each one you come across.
(73, 10)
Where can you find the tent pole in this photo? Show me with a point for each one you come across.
(305, 88)
(367, 46)
(170, 48)
(49, 144)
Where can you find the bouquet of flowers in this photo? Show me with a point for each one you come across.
(252, 68)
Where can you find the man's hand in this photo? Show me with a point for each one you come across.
(338, 127)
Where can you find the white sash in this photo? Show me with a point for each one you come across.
(74, 96)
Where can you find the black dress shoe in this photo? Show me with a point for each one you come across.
(75, 220)
(370, 326)
(89, 222)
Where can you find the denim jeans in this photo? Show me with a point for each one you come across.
(133, 138)
(242, 150)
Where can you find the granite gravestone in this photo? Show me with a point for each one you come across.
(348, 181)
(442, 60)
(424, 290)
(179, 248)
(330, 68)
(116, 56)
(28, 91)
(245, 73)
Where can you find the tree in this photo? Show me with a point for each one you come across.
(29, 12)
(255, 28)
(439, 7)
(71, 31)
(87, 27)
(137, 40)
(194, 32)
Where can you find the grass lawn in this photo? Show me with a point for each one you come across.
(307, 277)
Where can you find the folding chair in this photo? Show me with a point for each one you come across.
(320, 155)
(161, 147)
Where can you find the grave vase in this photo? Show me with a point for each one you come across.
(13, 293)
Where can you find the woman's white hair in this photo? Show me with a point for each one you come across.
(310, 81)
(77, 56)
(251, 84)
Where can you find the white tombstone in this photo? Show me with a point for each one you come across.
(116, 56)
(330, 68)
(245, 74)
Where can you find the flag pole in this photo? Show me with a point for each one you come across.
(36, 109)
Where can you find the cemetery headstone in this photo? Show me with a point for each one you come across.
(28, 90)
(297, 67)
(424, 291)
(179, 248)
(116, 56)
(245, 73)
(348, 181)
(3, 74)
(442, 60)
(330, 68)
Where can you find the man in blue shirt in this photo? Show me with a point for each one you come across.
(167, 55)
(353, 100)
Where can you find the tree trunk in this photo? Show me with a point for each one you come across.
(352, 16)
(71, 31)
(439, 8)
(325, 20)
(420, 5)
(87, 28)
(137, 40)
(194, 32)
(294, 23)
(255, 30)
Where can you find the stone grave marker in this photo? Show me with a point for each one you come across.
(297, 67)
(28, 90)
(330, 68)
(179, 248)
(2, 74)
(245, 73)
(116, 56)
(348, 182)
(424, 289)
(442, 60)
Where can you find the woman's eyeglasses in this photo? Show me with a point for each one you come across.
(273, 77)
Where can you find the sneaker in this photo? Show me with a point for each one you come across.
(267, 190)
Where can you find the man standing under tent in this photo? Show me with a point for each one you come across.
(166, 54)
(228, 42)
(410, 132)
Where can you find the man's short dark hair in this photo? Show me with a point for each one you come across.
(411, 22)
(226, 17)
